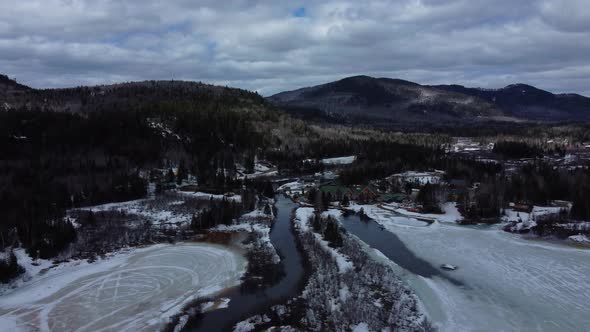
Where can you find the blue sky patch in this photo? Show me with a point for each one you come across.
(299, 12)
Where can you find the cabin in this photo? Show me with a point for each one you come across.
(520, 207)
(335, 190)
(364, 194)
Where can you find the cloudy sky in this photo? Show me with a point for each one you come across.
(273, 45)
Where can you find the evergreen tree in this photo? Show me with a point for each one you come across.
(332, 233)
(170, 177)
(345, 201)
(182, 173)
(267, 209)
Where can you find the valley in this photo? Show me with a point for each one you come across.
(205, 208)
(282, 166)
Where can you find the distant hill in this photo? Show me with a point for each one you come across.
(121, 96)
(398, 101)
(10, 91)
(192, 114)
(527, 102)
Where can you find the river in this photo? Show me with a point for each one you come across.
(246, 303)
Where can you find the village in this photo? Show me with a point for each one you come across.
(431, 196)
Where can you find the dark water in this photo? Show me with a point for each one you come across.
(246, 303)
(391, 246)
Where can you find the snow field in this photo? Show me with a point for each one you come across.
(509, 283)
(203, 195)
(136, 291)
(339, 160)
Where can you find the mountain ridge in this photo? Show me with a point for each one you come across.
(387, 99)
(349, 100)
(83, 99)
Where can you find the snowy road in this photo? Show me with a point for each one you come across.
(510, 284)
(135, 292)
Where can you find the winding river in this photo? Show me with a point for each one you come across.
(246, 303)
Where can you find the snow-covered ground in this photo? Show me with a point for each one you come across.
(467, 144)
(387, 218)
(510, 284)
(143, 208)
(260, 170)
(523, 221)
(255, 222)
(202, 195)
(302, 216)
(580, 239)
(174, 208)
(136, 290)
(450, 213)
(291, 186)
(339, 160)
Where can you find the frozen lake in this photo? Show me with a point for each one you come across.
(506, 283)
(137, 291)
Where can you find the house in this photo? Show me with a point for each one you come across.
(364, 194)
(520, 207)
(335, 190)
(415, 178)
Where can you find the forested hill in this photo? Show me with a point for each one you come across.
(136, 124)
(393, 101)
(66, 148)
(529, 102)
(86, 99)
(10, 91)
(385, 100)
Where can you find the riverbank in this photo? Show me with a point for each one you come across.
(268, 282)
(347, 288)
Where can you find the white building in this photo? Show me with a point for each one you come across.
(416, 178)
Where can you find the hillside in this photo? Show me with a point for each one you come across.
(85, 99)
(528, 102)
(398, 101)
(68, 148)
(383, 99)
(10, 92)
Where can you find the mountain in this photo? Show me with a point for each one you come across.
(384, 99)
(130, 95)
(527, 102)
(10, 91)
(398, 101)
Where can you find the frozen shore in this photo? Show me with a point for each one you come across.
(509, 283)
(133, 291)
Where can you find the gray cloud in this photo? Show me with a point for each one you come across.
(264, 46)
